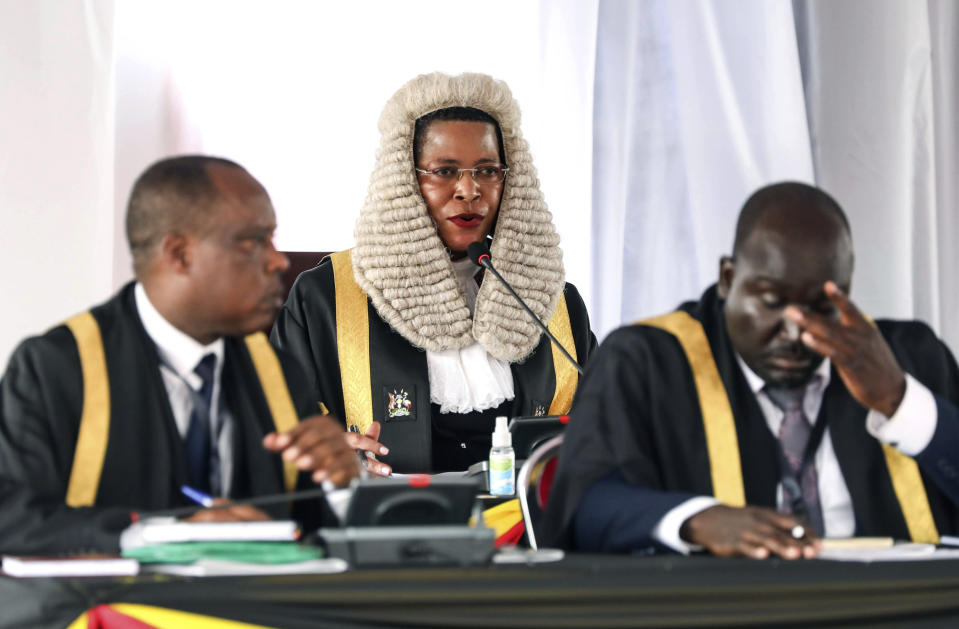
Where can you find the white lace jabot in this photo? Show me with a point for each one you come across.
(468, 379)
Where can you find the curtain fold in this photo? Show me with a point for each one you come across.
(696, 105)
(880, 81)
(57, 91)
(699, 102)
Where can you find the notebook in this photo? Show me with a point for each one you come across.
(168, 530)
(79, 566)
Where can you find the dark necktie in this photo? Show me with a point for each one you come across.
(199, 446)
(800, 486)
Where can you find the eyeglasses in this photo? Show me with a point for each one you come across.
(482, 175)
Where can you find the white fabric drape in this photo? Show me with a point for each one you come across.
(677, 108)
(56, 162)
(698, 103)
(93, 91)
(872, 71)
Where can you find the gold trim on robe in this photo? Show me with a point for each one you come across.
(721, 440)
(723, 447)
(94, 432)
(277, 393)
(911, 494)
(567, 378)
(352, 343)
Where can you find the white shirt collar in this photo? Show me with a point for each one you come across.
(465, 272)
(468, 379)
(179, 351)
(756, 383)
(465, 268)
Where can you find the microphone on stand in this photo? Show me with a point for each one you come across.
(480, 255)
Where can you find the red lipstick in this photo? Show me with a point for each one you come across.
(466, 220)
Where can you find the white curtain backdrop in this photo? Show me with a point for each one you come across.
(293, 91)
(650, 122)
(886, 146)
(92, 93)
(698, 103)
(56, 162)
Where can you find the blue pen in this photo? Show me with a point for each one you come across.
(197, 496)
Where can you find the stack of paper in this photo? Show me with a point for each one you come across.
(79, 566)
(222, 567)
(172, 531)
(225, 548)
(868, 549)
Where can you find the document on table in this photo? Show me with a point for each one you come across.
(221, 567)
(78, 566)
(168, 530)
(902, 551)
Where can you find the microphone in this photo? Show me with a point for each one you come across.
(479, 254)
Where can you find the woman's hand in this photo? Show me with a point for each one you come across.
(369, 445)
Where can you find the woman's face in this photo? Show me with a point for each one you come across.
(463, 211)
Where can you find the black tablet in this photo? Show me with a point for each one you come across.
(418, 499)
(529, 432)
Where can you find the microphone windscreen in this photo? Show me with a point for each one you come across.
(476, 250)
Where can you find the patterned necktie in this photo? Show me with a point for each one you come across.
(198, 436)
(800, 493)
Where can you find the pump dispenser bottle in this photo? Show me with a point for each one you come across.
(502, 461)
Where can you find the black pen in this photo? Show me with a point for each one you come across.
(364, 468)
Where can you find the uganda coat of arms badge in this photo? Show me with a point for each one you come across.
(398, 404)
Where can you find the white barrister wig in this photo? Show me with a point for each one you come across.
(402, 265)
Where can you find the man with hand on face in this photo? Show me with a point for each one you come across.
(766, 415)
(168, 383)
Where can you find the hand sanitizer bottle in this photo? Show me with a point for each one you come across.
(502, 461)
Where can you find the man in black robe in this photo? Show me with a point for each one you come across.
(678, 438)
(105, 415)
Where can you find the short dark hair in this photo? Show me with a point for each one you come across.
(784, 193)
(174, 194)
(461, 114)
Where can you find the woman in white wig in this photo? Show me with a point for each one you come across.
(405, 339)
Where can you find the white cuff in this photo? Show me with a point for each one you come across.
(667, 531)
(338, 499)
(912, 426)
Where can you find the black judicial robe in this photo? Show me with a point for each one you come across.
(41, 397)
(306, 328)
(637, 418)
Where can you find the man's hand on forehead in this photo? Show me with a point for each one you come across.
(856, 348)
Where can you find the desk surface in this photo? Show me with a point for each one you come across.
(580, 591)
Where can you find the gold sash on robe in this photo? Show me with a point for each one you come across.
(94, 432)
(353, 347)
(723, 447)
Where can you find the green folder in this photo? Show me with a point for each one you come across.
(249, 552)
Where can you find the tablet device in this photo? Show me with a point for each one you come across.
(418, 499)
(529, 432)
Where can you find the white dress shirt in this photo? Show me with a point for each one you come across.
(179, 355)
(468, 379)
(909, 430)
